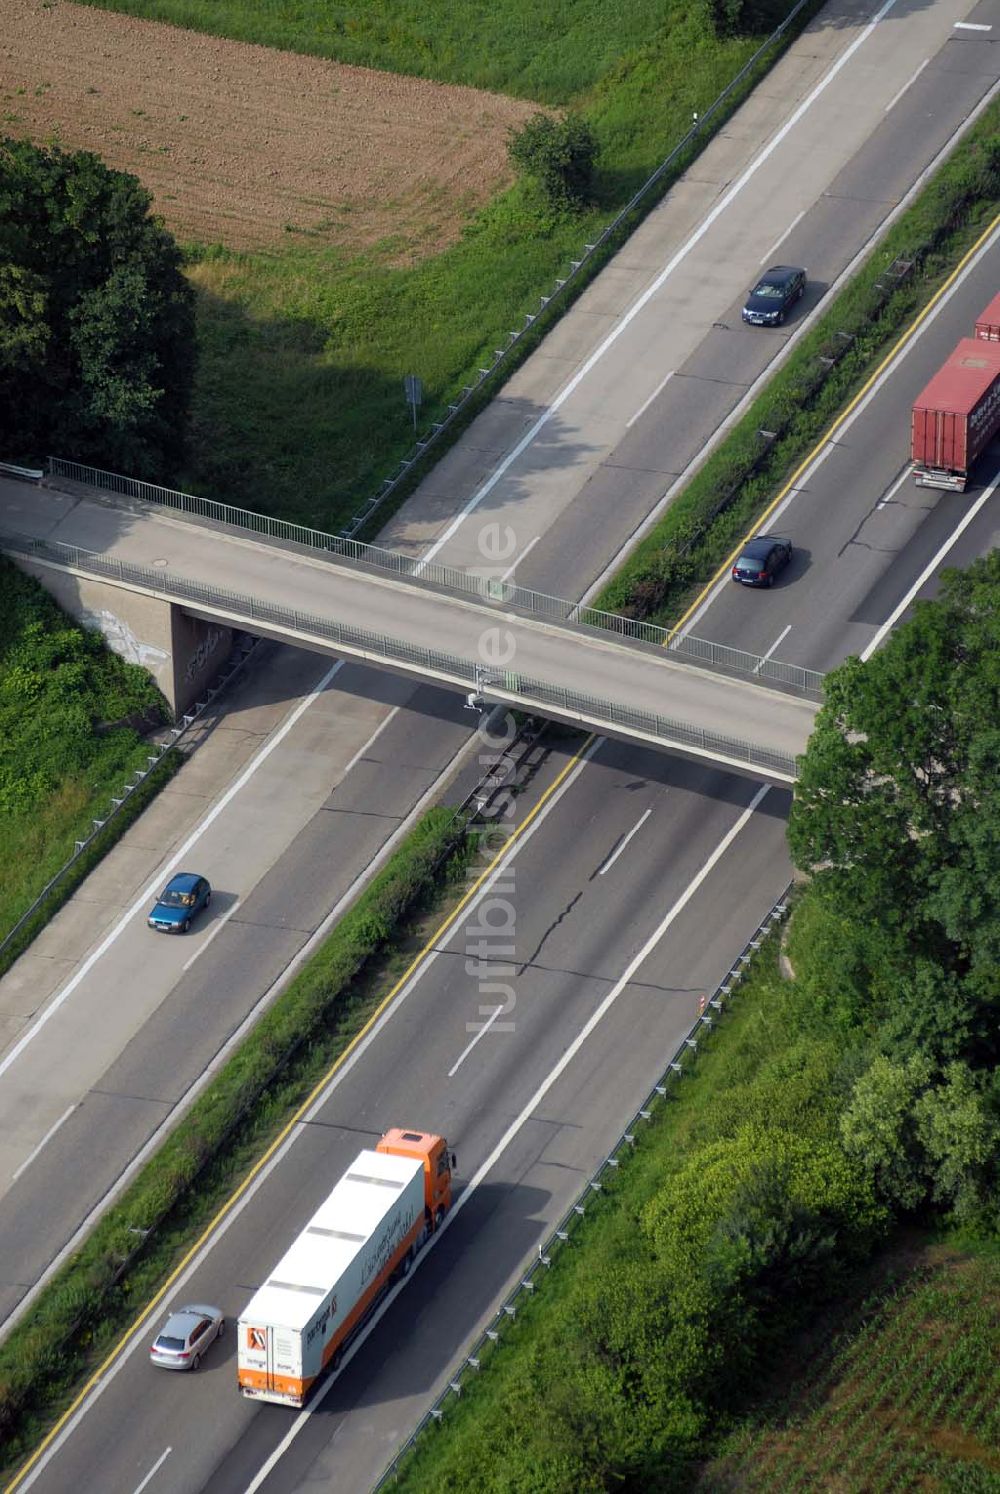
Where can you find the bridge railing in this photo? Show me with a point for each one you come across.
(484, 588)
(525, 690)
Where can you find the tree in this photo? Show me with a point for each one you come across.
(960, 1135)
(879, 1128)
(97, 345)
(559, 154)
(897, 807)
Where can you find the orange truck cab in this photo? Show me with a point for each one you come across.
(438, 1164)
(362, 1239)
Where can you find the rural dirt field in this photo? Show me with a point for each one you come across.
(253, 148)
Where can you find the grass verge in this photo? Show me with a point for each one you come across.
(81, 1313)
(68, 742)
(299, 407)
(613, 1373)
(709, 517)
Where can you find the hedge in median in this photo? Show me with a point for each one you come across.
(44, 1352)
(709, 517)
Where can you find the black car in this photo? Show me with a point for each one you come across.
(761, 560)
(774, 294)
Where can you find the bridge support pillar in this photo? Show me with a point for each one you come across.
(180, 652)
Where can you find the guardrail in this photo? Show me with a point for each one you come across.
(27, 474)
(449, 578)
(578, 268)
(119, 801)
(450, 668)
(536, 1265)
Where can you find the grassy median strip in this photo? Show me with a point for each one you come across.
(87, 1305)
(711, 514)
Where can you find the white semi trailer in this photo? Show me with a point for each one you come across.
(327, 1284)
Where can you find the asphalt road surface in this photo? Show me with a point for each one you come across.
(568, 965)
(347, 770)
(605, 679)
(638, 878)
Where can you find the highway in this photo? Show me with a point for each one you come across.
(579, 675)
(579, 929)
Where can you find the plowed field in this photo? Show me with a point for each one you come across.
(249, 147)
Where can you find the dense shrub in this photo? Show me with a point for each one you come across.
(559, 155)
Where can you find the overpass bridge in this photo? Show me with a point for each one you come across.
(167, 590)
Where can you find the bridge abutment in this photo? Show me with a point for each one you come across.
(182, 653)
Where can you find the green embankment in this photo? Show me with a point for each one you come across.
(65, 743)
(299, 407)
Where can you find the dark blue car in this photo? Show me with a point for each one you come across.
(775, 293)
(761, 559)
(181, 900)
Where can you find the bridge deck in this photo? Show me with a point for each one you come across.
(574, 674)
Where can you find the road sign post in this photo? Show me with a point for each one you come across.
(414, 394)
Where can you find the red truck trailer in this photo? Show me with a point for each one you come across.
(988, 325)
(957, 415)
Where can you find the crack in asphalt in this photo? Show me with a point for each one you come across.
(550, 930)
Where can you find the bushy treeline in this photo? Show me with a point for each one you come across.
(97, 343)
(897, 814)
(857, 1094)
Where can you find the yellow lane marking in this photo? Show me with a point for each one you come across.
(838, 422)
(313, 1095)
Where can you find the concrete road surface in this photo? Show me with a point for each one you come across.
(926, 78)
(617, 677)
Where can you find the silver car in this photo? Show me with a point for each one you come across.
(184, 1337)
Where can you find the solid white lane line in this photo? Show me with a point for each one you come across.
(654, 287)
(219, 924)
(897, 96)
(971, 26)
(778, 243)
(780, 638)
(46, 1138)
(801, 329)
(155, 1469)
(481, 1033)
(529, 1110)
(887, 373)
(930, 568)
(895, 487)
(181, 1284)
(153, 888)
(645, 406)
(150, 892)
(617, 852)
(526, 551)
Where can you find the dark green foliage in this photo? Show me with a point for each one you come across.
(897, 807)
(865, 1092)
(897, 817)
(743, 17)
(58, 683)
(97, 347)
(69, 713)
(559, 155)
